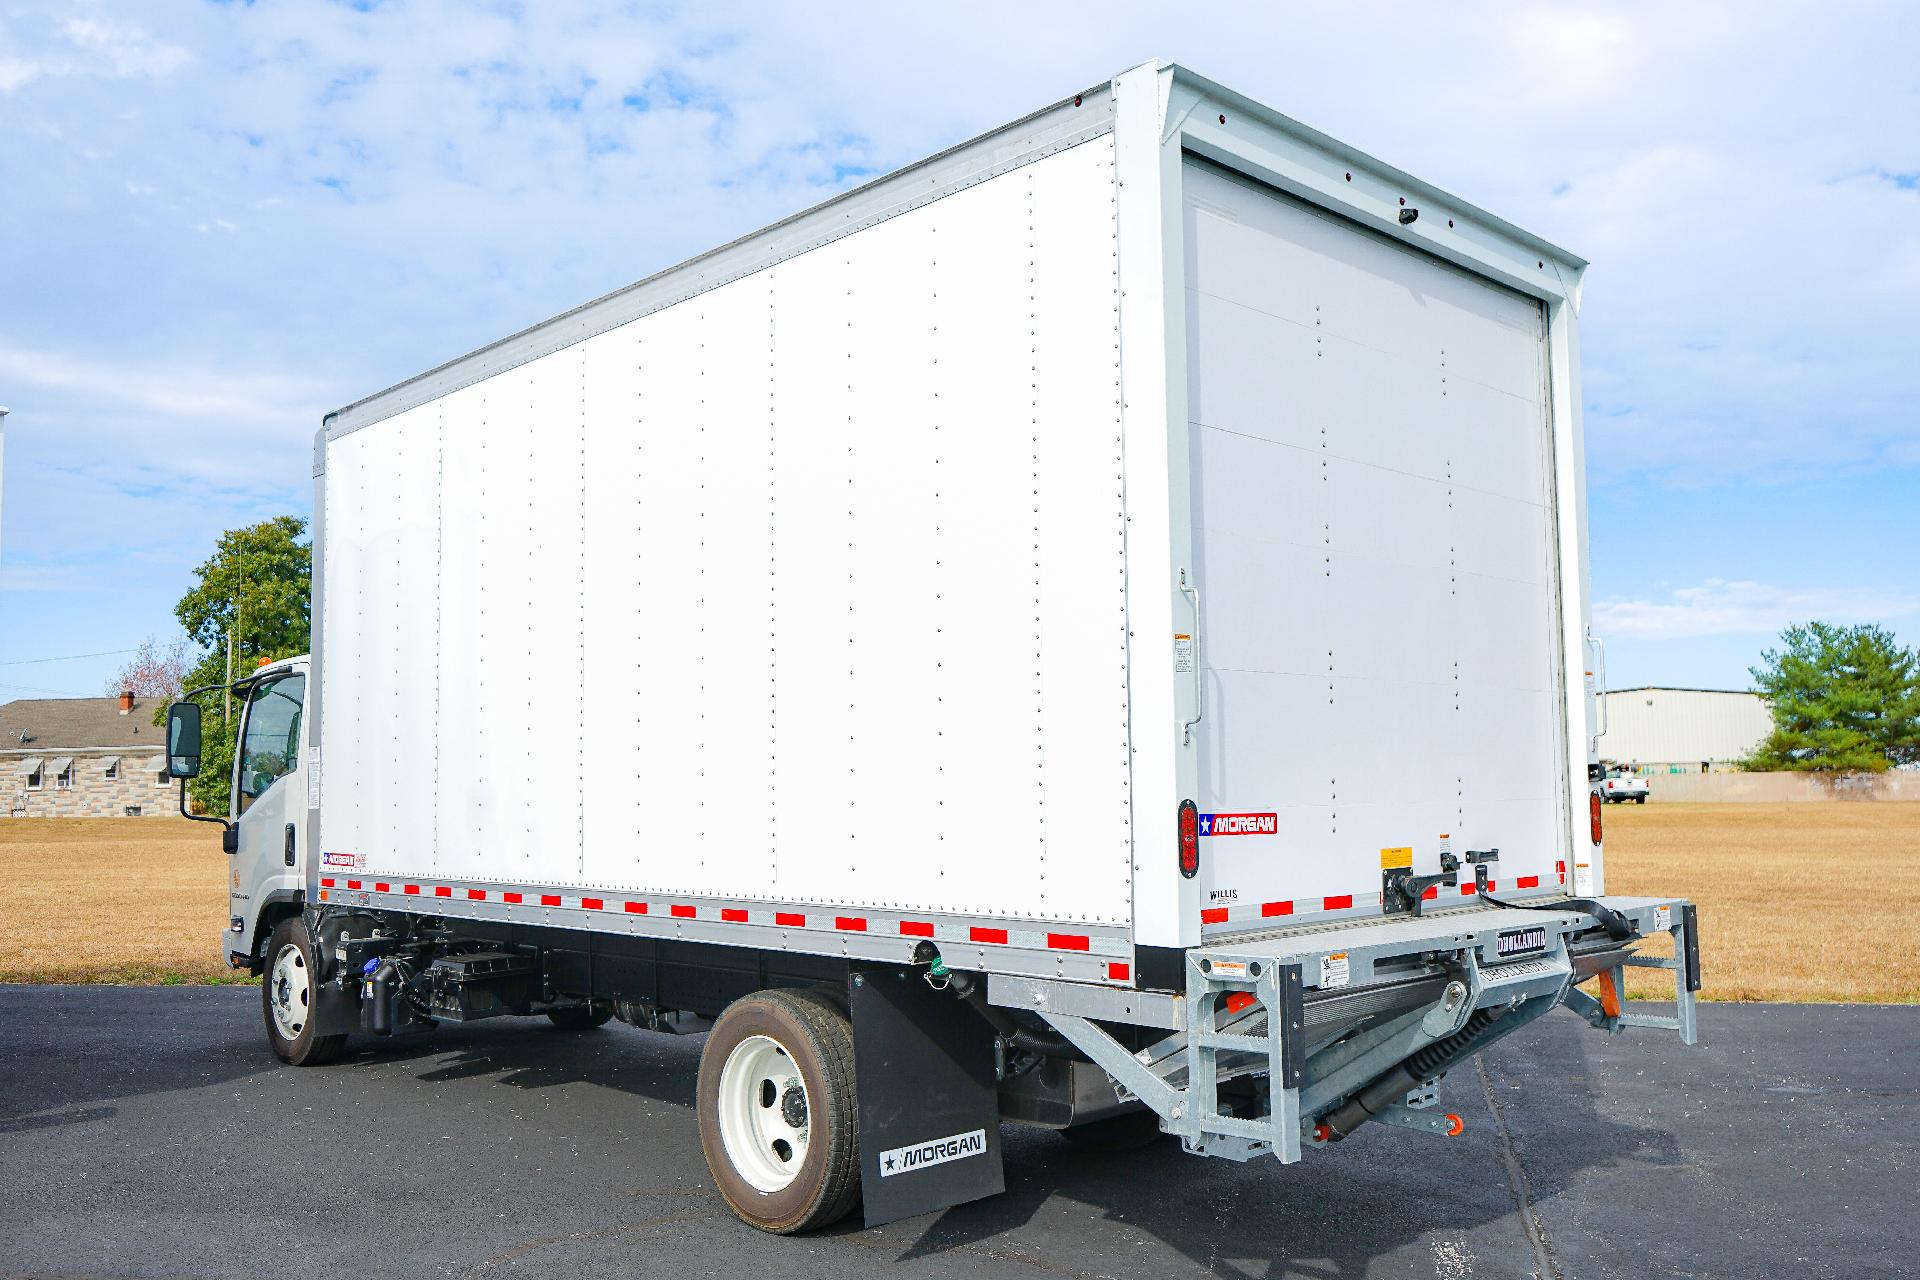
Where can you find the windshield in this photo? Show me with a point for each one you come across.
(271, 748)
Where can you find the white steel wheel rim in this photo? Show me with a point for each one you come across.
(760, 1093)
(289, 992)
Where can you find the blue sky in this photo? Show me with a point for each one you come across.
(222, 220)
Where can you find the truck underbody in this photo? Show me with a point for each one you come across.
(1256, 1056)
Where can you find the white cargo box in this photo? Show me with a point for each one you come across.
(897, 572)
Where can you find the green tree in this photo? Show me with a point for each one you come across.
(256, 592)
(1844, 699)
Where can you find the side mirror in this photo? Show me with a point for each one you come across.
(183, 740)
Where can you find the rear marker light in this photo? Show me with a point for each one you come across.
(1117, 972)
(1593, 814)
(1189, 839)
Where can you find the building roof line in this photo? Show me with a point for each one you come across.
(1677, 688)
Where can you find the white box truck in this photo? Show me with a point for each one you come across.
(1088, 630)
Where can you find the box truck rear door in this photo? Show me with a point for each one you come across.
(1373, 532)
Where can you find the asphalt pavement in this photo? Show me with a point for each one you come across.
(148, 1132)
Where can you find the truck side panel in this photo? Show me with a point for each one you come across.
(804, 589)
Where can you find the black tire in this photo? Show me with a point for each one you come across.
(1129, 1131)
(1639, 799)
(580, 1017)
(296, 1043)
(815, 1034)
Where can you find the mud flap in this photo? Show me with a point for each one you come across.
(929, 1106)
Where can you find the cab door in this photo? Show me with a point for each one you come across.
(267, 865)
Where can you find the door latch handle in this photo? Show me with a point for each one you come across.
(289, 844)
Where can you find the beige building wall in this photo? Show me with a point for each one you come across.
(1676, 730)
(1773, 788)
(134, 791)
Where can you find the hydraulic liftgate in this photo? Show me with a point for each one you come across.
(1335, 1026)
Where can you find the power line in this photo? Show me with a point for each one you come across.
(71, 657)
(29, 688)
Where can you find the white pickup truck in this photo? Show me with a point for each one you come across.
(1618, 788)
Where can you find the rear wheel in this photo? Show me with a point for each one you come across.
(1639, 799)
(288, 986)
(776, 1105)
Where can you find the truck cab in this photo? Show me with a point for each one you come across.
(266, 838)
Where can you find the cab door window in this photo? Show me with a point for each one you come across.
(270, 748)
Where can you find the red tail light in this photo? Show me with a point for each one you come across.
(1593, 814)
(1189, 839)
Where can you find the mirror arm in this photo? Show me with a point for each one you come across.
(199, 817)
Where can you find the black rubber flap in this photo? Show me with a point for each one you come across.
(929, 1107)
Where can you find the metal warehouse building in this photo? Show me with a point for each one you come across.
(1682, 730)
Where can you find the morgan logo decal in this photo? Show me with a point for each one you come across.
(1239, 824)
(926, 1154)
(339, 860)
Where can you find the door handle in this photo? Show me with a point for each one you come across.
(289, 844)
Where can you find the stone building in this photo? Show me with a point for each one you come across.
(84, 758)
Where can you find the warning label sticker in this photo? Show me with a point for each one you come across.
(923, 1155)
(1239, 824)
(1182, 654)
(1334, 970)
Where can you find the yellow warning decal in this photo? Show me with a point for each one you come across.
(1390, 858)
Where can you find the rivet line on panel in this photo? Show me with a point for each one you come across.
(1033, 383)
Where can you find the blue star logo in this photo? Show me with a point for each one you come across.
(1206, 824)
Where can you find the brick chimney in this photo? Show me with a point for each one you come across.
(126, 701)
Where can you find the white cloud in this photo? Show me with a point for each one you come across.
(126, 49)
(1716, 608)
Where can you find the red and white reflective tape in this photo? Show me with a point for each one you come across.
(1013, 937)
(1335, 904)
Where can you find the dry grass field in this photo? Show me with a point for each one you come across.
(1797, 901)
(137, 900)
(140, 900)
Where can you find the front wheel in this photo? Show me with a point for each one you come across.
(776, 1106)
(288, 988)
